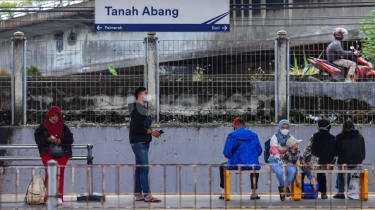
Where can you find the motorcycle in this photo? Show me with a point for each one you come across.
(338, 73)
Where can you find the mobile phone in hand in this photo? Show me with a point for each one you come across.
(161, 131)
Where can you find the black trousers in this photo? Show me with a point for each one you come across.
(222, 171)
(322, 181)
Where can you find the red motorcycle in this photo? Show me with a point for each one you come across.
(338, 73)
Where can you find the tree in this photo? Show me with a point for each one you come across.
(367, 33)
(7, 7)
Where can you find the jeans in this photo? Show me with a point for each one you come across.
(141, 172)
(340, 184)
(291, 172)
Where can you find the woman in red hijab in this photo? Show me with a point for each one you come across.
(54, 131)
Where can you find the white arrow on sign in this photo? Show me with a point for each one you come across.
(98, 27)
(225, 28)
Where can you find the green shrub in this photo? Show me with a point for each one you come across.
(33, 71)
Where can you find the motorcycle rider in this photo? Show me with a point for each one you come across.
(335, 54)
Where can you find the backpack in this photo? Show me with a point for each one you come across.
(267, 147)
(36, 191)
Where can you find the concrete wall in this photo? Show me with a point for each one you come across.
(179, 145)
(89, 101)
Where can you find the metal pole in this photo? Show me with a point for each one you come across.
(24, 81)
(287, 80)
(276, 79)
(52, 185)
(145, 63)
(157, 81)
(12, 79)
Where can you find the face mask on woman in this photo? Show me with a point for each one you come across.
(284, 132)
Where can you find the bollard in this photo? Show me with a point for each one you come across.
(227, 184)
(52, 185)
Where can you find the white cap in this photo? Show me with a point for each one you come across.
(292, 141)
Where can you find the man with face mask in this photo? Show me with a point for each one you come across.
(242, 146)
(140, 136)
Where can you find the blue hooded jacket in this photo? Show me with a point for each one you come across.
(247, 153)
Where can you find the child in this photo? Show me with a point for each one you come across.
(294, 156)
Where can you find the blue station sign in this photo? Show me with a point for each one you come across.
(162, 16)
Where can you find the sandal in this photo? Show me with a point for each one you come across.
(254, 197)
(152, 200)
(287, 192)
(324, 196)
(282, 195)
(139, 198)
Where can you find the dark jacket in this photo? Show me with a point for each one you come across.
(41, 135)
(351, 147)
(140, 122)
(247, 153)
(335, 51)
(324, 146)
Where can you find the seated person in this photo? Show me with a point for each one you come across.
(242, 146)
(293, 156)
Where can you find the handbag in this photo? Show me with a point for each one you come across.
(56, 151)
(313, 161)
(353, 188)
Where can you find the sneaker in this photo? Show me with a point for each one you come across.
(60, 202)
(348, 80)
(339, 196)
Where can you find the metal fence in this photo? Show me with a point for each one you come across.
(77, 77)
(178, 186)
(201, 81)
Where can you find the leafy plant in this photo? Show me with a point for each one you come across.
(257, 74)
(311, 69)
(112, 70)
(198, 74)
(33, 71)
(3, 72)
(367, 33)
(295, 67)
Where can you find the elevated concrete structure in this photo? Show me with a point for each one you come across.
(45, 28)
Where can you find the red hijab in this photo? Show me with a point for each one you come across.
(54, 129)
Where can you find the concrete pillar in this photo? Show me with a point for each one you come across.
(151, 71)
(17, 78)
(281, 76)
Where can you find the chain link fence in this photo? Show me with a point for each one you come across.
(201, 81)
